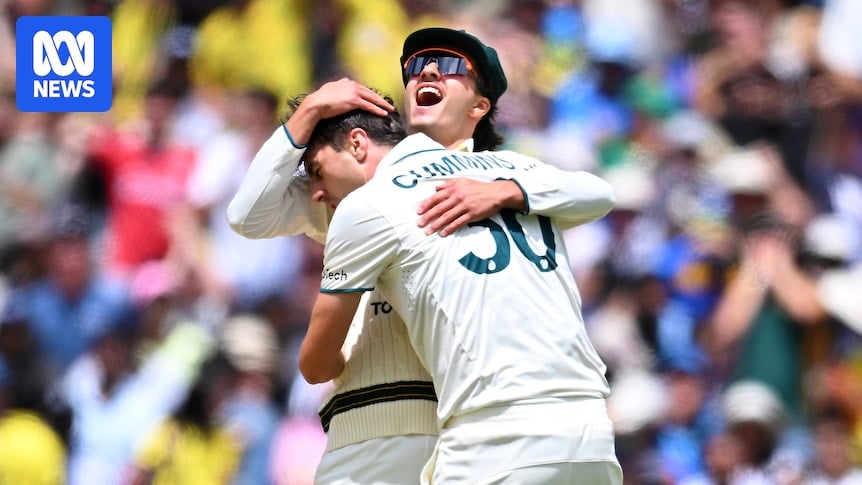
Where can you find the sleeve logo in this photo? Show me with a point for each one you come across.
(333, 275)
(63, 64)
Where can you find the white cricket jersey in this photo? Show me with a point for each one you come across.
(493, 310)
(384, 389)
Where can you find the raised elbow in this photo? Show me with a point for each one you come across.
(237, 219)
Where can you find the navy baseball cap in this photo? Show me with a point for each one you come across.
(484, 58)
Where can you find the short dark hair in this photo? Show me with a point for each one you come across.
(385, 130)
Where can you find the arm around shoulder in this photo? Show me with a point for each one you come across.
(271, 199)
(571, 197)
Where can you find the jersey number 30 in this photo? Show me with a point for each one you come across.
(501, 257)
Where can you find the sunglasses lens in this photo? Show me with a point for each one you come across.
(452, 65)
(446, 65)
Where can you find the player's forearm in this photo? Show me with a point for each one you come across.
(302, 122)
(320, 356)
(572, 198)
(510, 194)
(271, 201)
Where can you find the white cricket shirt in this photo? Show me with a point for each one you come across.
(384, 390)
(493, 310)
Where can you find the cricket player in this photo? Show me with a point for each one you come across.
(381, 421)
(493, 310)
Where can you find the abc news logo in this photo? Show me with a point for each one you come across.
(46, 59)
(63, 64)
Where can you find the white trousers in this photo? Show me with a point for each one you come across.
(395, 460)
(562, 443)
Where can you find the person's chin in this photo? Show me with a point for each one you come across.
(422, 119)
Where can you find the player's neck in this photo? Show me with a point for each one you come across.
(375, 155)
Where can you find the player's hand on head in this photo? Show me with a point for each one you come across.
(339, 97)
(458, 202)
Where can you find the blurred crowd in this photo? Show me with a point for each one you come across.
(142, 341)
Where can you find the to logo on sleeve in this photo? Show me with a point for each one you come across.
(63, 64)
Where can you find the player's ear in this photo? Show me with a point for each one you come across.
(480, 108)
(357, 143)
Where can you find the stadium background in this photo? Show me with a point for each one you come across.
(723, 291)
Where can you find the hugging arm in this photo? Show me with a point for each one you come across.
(273, 200)
(570, 197)
(457, 202)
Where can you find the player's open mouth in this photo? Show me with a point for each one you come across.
(428, 96)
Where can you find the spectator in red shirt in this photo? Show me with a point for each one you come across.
(144, 173)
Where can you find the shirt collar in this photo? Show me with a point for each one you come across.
(466, 146)
(416, 143)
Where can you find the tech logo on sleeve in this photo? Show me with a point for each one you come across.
(63, 64)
